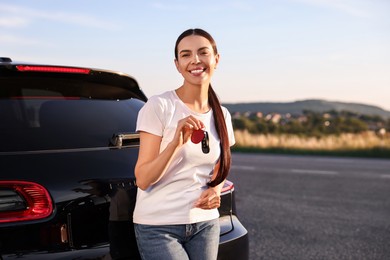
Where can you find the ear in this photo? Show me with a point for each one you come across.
(177, 65)
(216, 60)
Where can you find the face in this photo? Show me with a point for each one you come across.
(196, 60)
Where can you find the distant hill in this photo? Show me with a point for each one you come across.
(297, 107)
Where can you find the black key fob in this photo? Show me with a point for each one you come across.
(205, 143)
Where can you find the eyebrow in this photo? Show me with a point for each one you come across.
(200, 49)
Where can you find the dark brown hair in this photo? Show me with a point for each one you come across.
(219, 118)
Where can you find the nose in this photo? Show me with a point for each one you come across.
(195, 60)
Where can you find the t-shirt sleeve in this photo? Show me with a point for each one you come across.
(229, 126)
(150, 117)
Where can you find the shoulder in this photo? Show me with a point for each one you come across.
(159, 97)
(152, 116)
(162, 100)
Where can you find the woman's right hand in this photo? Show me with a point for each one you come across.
(185, 128)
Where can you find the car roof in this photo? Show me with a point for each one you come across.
(117, 78)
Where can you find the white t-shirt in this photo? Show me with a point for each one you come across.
(171, 200)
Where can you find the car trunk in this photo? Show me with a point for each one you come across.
(80, 189)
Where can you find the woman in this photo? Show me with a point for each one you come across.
(184, 158)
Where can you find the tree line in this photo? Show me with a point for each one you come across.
(311, 123)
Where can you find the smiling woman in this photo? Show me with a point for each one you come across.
(176, 176)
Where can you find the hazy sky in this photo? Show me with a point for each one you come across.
(274, 50)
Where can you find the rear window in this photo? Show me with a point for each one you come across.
(39, 113)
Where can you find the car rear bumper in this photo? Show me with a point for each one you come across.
(235, 244)
(100, 252)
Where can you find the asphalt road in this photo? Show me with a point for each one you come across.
(306, 207)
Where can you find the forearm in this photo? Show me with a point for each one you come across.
(150, 172)
(218, 188)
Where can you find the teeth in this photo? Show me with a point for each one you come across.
(196, 71)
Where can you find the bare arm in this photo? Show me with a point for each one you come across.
(152, 164)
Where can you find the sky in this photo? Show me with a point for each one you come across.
(271, 50)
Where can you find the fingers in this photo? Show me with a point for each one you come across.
(192, 123)
(211, 204)
(185, 128)
(212, 201)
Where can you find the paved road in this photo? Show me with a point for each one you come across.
(303, 207)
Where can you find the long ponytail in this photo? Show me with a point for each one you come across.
(220, 125)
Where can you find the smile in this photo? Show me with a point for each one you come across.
(197, 71)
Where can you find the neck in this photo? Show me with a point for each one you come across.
(195, 97)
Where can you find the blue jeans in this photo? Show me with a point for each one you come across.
(198, 241)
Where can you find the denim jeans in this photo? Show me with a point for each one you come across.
(198, 241)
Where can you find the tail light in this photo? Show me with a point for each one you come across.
(53, 69)
(228, 186)
(23, 201)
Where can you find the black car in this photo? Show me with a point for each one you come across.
(68, 148)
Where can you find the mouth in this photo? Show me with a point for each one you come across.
(197, 71)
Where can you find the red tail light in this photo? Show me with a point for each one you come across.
(23, 201)
(228, 186)
(52, 69)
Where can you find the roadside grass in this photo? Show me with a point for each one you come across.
(367, 144)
